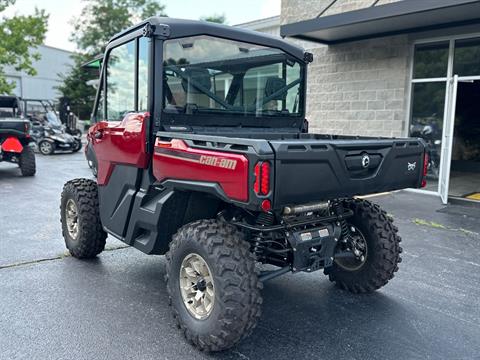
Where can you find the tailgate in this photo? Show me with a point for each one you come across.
(14, 126)
(315, 170)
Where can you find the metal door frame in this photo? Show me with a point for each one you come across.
(451, 90)
(449, 133)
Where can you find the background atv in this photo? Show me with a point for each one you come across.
(15, 136)
(213, 166)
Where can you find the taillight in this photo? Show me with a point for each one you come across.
(262, 178)
(27, 130)
(425, 169)
(265, 178)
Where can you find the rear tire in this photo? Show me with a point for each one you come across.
(27, 161)
(80, 217)
(234, 284)
(77, 147)
(383, 250)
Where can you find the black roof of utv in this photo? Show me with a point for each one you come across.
(7, 101)
(177, 28)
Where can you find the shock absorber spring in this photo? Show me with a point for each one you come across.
(256, 247)
(338, 208)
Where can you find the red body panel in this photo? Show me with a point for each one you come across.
(175, 160)
(119, 142)
(12, 144)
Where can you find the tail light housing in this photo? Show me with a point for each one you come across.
(262, 178)
(425, 169)
(27, 129)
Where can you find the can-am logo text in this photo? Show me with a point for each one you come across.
(218, 162)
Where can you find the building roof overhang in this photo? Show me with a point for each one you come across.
(407, 16)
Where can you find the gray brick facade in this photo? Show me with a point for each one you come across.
(357, 88)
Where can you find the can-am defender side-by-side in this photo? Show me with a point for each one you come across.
(15, 136)
(203, 154)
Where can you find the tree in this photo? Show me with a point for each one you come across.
(19, 37)
(215, 18)
(101, 19)
(74, 87)
(97, 23)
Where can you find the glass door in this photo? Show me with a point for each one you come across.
(428, 109)
(445, 113)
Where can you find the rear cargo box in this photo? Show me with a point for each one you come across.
(14, 126)
(316, 170)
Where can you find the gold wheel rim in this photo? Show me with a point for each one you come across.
(71, 217)
(196, 286)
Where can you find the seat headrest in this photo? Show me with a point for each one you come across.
(198, 76)
(274, 84)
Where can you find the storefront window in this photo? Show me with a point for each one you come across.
(428, 104)
(467, 57)
(431, 60)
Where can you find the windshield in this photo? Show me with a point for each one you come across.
(213, 75)
(52, 118)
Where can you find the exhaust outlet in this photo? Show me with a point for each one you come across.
(299, 209)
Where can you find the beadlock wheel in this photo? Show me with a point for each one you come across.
(71, 216)
(196, 286)
(212, 284)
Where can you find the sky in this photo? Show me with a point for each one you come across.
(63, 11)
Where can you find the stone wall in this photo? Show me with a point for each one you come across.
(298, 10)
(357, 88)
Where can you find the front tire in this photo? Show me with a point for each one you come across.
(382, 254)
(27, 161)
(80, 217)
(216, 254)
(46, 147)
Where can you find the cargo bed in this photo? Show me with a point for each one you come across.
(316, 167)
(14, 126)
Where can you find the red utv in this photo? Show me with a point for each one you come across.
(15, 136)
(202, 153)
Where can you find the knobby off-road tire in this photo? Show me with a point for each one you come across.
(27, 161)
(80, 198)
(383, 250)
(237, 298)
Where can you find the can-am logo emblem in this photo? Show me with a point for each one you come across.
(365, 161)
(411, 166)
(218, 162)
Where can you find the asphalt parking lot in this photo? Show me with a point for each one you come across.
(115, 307)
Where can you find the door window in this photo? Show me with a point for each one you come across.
(121, 81)
(428, 103)
(143, 55)
(100, 115)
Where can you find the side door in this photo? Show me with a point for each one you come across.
(119, 137)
